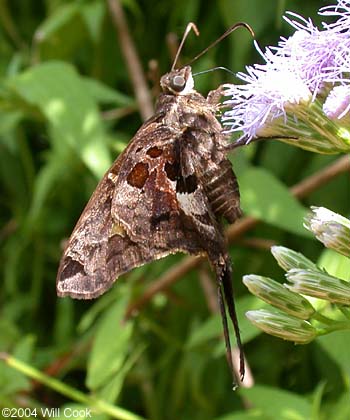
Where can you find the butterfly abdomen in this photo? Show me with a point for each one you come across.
(222, 191)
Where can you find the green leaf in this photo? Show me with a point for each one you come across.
(9, 331)
(72, 114)
(245, 11)
(337, 347)
(341, 409)
(99, 307)
(11, 380)
(104, 94)
(112, 389)
(93, 13)
(111, 344)
(277, 404)
(8, 122)
(212, 327)
(266, 198)
(62, 32)
(335, 264)
(245, 415)
(74, 124)
(317, 400)
(57, 20)
(64, 328)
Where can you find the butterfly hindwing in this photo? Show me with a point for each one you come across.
(99, 249)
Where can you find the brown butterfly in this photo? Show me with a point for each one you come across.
(165, 193)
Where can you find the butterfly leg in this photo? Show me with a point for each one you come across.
(214, 96)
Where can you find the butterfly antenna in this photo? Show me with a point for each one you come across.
(190, 26)
(223, 36)
(213, 69)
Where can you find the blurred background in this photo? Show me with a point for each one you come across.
(68, 107)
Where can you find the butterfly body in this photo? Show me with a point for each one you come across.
(164, 194)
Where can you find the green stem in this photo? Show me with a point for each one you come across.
(344, 310)
(70, 392)
(323, 319)
(336, 326)
(9, 26)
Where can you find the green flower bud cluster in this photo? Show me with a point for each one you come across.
(296, 319)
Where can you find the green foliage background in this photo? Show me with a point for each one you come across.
(67, 108)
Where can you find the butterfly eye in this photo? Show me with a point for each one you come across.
(178, 83)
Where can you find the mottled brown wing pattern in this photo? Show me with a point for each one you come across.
(142, 210)
(166, 193)
(152, 211)
(88, 266)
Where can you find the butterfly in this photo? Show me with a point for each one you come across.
(166, 193)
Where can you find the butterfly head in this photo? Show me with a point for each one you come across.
(178, 82)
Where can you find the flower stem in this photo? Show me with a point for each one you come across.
(344, 310)
(323, 319)
(336, 326)
(70, 392)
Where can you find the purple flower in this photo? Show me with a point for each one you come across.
(263, 98)
(295, 80)
(315, 52)
(342, 12)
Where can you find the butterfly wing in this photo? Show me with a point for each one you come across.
(147, 206)
(88, 266)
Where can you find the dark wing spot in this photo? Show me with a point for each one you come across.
(156, 219)
(187, 185)
(71, 269)
(172, 170)
(138, 175)
(154, 152)
(163, 204)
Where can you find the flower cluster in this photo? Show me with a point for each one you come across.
(297, 319)
(301, 94)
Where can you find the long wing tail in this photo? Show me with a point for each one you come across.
(225, 295)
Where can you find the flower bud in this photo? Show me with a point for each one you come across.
(288, 259)
(336, 105)
(283, 326)
(320, 285)
(314, 131)
(330, 228)
(279, 296)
